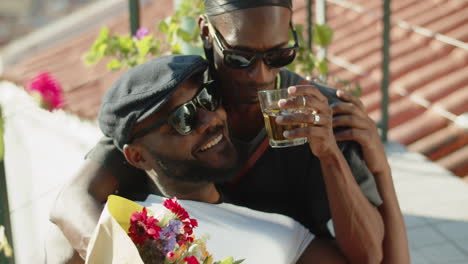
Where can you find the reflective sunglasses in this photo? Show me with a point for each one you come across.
(240, 59)
(183, 118)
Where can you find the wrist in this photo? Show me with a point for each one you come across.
(328, 153)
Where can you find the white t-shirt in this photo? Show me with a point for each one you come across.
(242, 233)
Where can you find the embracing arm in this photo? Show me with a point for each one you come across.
(322, 251)
(358, 225)
(362, 129)
(79, 204)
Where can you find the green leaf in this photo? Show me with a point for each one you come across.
(208, 260)
(357, 90)
(323, 35)
(103, 34)
(95, 55)
(125, 44)
(228, 260)
(144, 45)
(184, 35)
(163, 27)
(322, 67)
(176, 49)
(101, 49)
(114, 65)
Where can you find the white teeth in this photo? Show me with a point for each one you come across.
(213, 142)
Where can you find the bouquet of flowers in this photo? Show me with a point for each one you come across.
(163, 237)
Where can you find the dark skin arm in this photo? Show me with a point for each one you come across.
(357, 223)
(322, 251)
(362, 129)
(79, 204)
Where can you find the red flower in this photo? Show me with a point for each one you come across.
(143, 227)
(191, 260)
(174, 206)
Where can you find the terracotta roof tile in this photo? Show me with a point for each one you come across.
(437, 12)
(459, 33)
(419, 127)
(449, 22)
(429, 76)
(402, 6)
(456, 162)
(414, 9)
(441, 143)
(447, 84)
(455, 103)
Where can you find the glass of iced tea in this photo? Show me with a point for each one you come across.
(270, 110)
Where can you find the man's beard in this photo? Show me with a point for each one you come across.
(192, 171)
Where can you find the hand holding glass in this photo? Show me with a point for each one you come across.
(270, 110)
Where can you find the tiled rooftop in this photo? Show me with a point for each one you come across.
(429, 73)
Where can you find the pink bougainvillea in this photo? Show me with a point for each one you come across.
(47, 90)
(141, 33)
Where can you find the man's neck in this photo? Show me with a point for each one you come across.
(202, 192)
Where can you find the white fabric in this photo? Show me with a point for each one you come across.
(244, 233)
(42, 151)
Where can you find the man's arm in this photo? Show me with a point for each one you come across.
(322, 251)
(362, 129)
(79, 204)
(358, 225)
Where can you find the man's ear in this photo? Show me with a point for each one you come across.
(204, 31)
(134, 154)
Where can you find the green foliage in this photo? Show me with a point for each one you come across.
(126, 51)
(181, 35)
(181, 29)
(322, 35)
(305, 59)
(229, 260)
(306, 62)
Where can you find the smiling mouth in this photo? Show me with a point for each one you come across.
(212, 143)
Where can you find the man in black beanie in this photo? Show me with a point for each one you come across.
(247, 43)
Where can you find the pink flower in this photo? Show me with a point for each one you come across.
(143, 227)
(141, 33)
(191, 260)
(47, 89)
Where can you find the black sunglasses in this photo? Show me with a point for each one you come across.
(182, 119)
(240, 59)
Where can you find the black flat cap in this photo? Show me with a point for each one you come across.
(141, 91)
